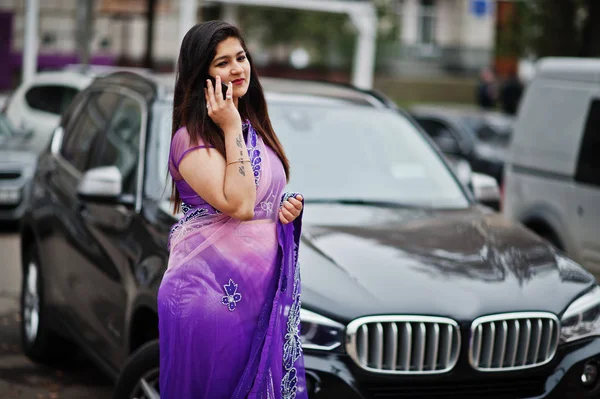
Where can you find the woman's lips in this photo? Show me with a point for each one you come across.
(238, 82)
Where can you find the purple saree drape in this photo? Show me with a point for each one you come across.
(229, 303)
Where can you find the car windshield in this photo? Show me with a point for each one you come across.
(356, 154)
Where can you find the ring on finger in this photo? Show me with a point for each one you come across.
(207, 106)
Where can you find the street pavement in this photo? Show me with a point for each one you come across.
(21, 378)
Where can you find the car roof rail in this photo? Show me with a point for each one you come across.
(131, 80)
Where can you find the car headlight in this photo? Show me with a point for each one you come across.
(320, 333)
(582, 317)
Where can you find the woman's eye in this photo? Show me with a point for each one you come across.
(220, 64)
(242, 58)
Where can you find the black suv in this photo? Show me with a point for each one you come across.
(410, 289)
(479, 137)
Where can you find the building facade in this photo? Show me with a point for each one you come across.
(435, 36)
(442, 37)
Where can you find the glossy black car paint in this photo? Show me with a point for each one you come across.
(102, 264)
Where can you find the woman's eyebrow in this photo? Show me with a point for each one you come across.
(226, 56)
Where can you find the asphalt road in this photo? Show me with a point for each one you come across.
(20, 378)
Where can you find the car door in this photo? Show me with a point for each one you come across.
(114, 228)
(72, 249)
(586, 201)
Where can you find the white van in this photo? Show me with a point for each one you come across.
(552, 175)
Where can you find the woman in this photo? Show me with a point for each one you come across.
(229, 303)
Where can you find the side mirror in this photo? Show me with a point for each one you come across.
(486, 190)
(103, 184)
(56, 142)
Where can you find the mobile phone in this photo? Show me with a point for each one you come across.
(224, 87)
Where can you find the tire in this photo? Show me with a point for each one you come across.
(139, 378)
(38, 341)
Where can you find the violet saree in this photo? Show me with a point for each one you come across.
(229, 303)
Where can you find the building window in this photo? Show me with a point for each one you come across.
(427, 22)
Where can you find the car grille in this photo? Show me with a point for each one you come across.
(513, 341)
(9, 175)
(404, 344)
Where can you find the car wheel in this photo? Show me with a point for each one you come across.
(39, 343)
(139, 378)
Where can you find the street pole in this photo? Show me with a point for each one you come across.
(150, 19)
(229, 13)
(365, 50)
(30, 44)
(85, 28)
(187, 17)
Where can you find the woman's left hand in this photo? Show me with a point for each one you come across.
(290, 209)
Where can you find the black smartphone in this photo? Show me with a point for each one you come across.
(224, 87)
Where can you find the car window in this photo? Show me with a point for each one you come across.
(120, 145)
(435, 128)
(83, 131)
(441, 133)
(489, 130)
(588, 164)
(50, 98)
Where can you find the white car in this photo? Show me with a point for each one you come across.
(37, 105)
(552, 175)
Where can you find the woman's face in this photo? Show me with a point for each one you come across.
(231, 64)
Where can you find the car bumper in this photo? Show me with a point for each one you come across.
(12, 213)
(336, 376)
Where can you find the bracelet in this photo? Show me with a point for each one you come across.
(240, 161)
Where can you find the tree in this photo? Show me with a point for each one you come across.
(590, 34)
(565, 27)
(324, 35)
(329, 38)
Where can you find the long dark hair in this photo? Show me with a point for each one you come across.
(198, 49)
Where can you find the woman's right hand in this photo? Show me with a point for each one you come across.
(222, 112)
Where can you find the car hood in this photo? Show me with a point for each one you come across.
(363, 260)
(16, 157)
(17, 142)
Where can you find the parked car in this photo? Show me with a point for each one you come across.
(37, 105)
(410, 289)
(16, 169)
(485, 187)
(480, 137)
(553, 169)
